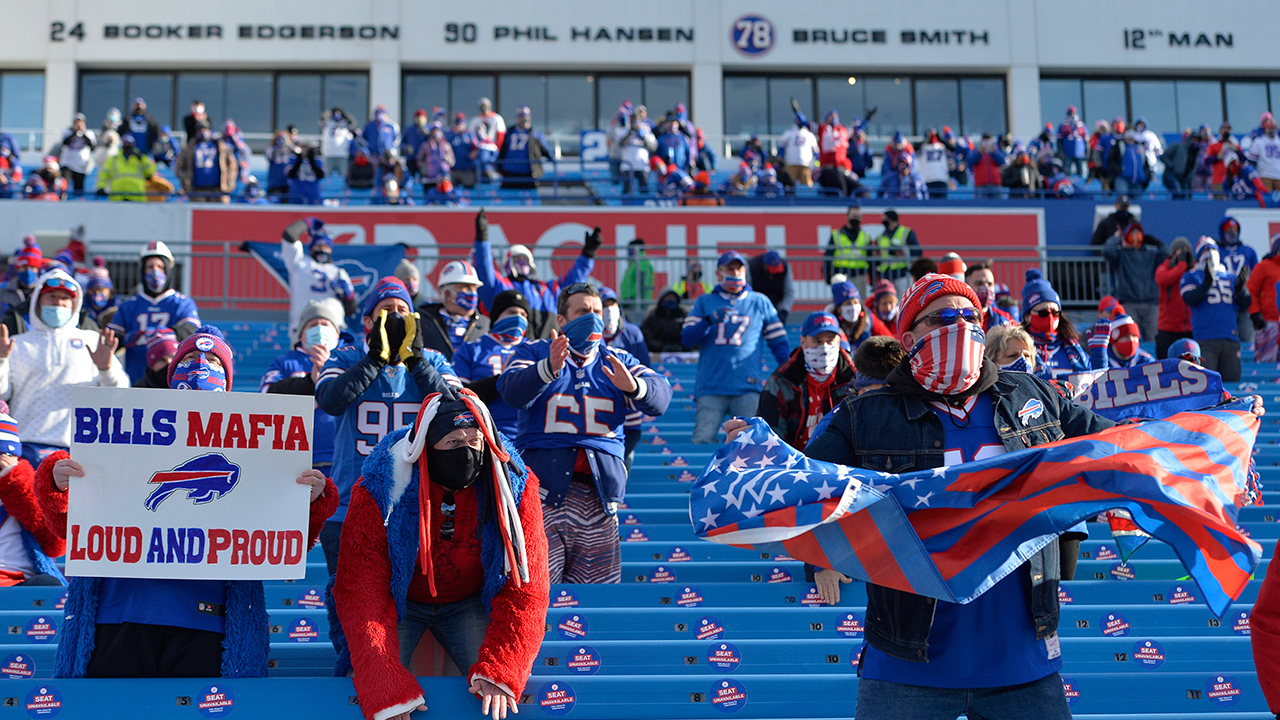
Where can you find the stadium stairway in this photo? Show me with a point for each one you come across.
(698, 630)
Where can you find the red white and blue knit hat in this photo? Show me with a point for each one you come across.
(207, 339)
(10, 443)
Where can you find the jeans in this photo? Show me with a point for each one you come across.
(1076, 166)
(1244, 326)
(988, 191)
(1124, 187)
(330, 534)
(712, 409)
(937, 189)
(485, 160)
(635, 181)
(1223, 357)
(1180, 188)
(1040, 700)
(458, 627)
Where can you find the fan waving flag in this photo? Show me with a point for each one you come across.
(953, 532)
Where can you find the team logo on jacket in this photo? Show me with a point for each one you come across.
(1033, 410)
(205, 479)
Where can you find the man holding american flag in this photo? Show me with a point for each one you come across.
(997, 656)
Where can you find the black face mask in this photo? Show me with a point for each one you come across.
(455, 469)
(321, 256)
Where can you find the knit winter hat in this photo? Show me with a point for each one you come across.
(926, 290)
(160, 343)
(99, 277)
(207, 339)
(10, 444)
(1275, 244)
(1107, 305)
(1037, 290)
(882, 288)
(327, 309)
(1119, 325)
(29, 254)
(1204, 245)
(952, 264)
(387, 287)
(843, 292)
(450, 416)
(507, 299)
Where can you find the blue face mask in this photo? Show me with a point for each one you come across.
(155, 280)
(733, 285)
(197, 373)
(670, 304)
(26, 277)
(466, 300)
(510, 329)
(1019, 365)
(98, 301)
(55, 316)
(585, 333)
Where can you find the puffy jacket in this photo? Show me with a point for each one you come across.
(1262, 288)
(1128, 162)
(784, 402)
(44, 365)
(1133, 269)
(228, 167)
(1174, 314)
(986, 167)
(124, 177)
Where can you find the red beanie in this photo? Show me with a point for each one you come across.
(926, 290)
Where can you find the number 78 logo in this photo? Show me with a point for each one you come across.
(752, 35)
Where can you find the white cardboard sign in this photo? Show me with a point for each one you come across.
(189, 485)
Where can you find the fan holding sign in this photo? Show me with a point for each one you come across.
(175, 508)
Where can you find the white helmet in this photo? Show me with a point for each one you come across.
(458, 271)
(156, 248)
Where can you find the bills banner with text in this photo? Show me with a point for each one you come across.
(189, 485)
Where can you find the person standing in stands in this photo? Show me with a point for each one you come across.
(986, 162)
(455, 319)
(140, 126)
(32, 542)
(1213, 296)
(816, 378)
(663, 325)
(39, 367)
(479, 363)
(488, 130)
(461, 553)
(1175, 319)
(982, 279)
(521, 154)
(1236, 257)
(1133, 260)
(726, 327)
(574, 394)
(207, 168)
(848, 250)
(1263, 311)
(636, 286)
(518, 273)
(375, 388)
(855, 322)
(1058, 349)
(155, 305)
(296, 372)
(898, 247)
(124, 175)
(23, 269)
(136, 627)
(770, 275)
(692, 286)
(313, 276)
(162, 345)
(884, 303)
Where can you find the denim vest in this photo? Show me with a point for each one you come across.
(904, 434)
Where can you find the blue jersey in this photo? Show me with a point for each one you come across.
(296, 363)
(390, 402)
(727, 331)
(486, 358)
(141, 315)
(1237, 257)
(206, 171)
(1214, 317)
(1060, 358)
(990, 642)
(162, 602)
(580, 408)
(515, 151)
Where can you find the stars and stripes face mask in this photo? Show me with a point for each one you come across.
(949, 359)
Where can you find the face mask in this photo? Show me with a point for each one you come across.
(99, 301)
(669, 304)
(853, 224)
(455, 469)
(26, 277)
(466, 300)
(198, 374)
(584, 333)
(1044, 325)
(317, 335)
(949, 359)
(696, 273)
(851, 313)
(520, 265)
(55, 316)
(985, 295)
(1231, 238)
(821, 360)
(733, 285)
(321, 256)
(889, 316)
(1125, 347)
(412, 286)
(1019, 365)
(612, 320)
(155, 280)
(510, 329)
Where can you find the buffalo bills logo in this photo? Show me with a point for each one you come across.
(465, 419)
(928, 291)
(205, 479)
(204, 343)
(1033, 300)
(363, 278)
(1033, 410)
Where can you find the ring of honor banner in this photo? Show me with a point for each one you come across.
(189, 485)
(953, 532)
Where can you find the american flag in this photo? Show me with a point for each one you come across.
(953, 532)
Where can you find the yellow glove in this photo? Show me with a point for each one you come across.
(413, 341)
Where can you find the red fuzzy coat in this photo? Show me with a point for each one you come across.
(364, 603)
(19, 497)
(1264, 624)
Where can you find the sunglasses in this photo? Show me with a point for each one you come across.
(1047, 313)
(949, 316)
(576, 288)
(68, 285)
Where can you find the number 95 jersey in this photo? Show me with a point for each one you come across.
(580, 408)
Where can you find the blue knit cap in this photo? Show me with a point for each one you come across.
(843, 292)
(1037, 290)
(387, 287)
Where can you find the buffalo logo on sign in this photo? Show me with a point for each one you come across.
(362, 276)
(205, 479)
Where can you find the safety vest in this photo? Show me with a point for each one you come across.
(897, 240)
(697, 288)
(851, 254)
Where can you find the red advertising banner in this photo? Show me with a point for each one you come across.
(673, 237)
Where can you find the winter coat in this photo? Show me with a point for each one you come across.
(784, 402)
(1262, 288)
(228, 167)
(1133, 271)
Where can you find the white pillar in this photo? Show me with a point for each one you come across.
(706, 82)
(384, 86)
(1023, 84)
(59, 101)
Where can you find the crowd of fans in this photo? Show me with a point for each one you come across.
(439, 159)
